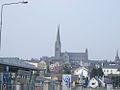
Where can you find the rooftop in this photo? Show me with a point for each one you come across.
(14, 61)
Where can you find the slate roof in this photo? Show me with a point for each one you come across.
(14, 61)
(97, 61)
(76, 55)
(112, 66)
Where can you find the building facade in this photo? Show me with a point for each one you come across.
(72, 58)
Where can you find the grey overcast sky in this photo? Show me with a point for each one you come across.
(30, 30)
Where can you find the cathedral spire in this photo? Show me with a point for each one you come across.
(86, 50)
(58, 35)
(117, 56)
(117, 53)
(58, 44)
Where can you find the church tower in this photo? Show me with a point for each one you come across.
(86, 51)
(58, 44)
(117, 59)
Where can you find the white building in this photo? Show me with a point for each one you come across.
(81, 70)
(42, 65)
(111, 69)
(32, 63)
(55, 67)
(93, 83)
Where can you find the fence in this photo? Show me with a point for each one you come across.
(14, 87)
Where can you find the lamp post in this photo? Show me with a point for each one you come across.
(2, 6)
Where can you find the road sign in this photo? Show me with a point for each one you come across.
(66, 81)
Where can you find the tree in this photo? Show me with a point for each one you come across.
(48, 70)
(66, 69)
(100, 72)
(86, 81)
(93, 72)
(96, 72)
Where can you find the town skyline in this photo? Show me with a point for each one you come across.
(83, 24)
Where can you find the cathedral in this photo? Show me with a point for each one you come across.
(117, 59)
(72, 58)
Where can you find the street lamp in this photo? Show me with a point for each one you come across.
(2, 6)
(7, 4)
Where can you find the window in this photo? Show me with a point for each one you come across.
(104, 71)
(111, 71)
(107, 70)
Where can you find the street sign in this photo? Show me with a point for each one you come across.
(66, 82)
